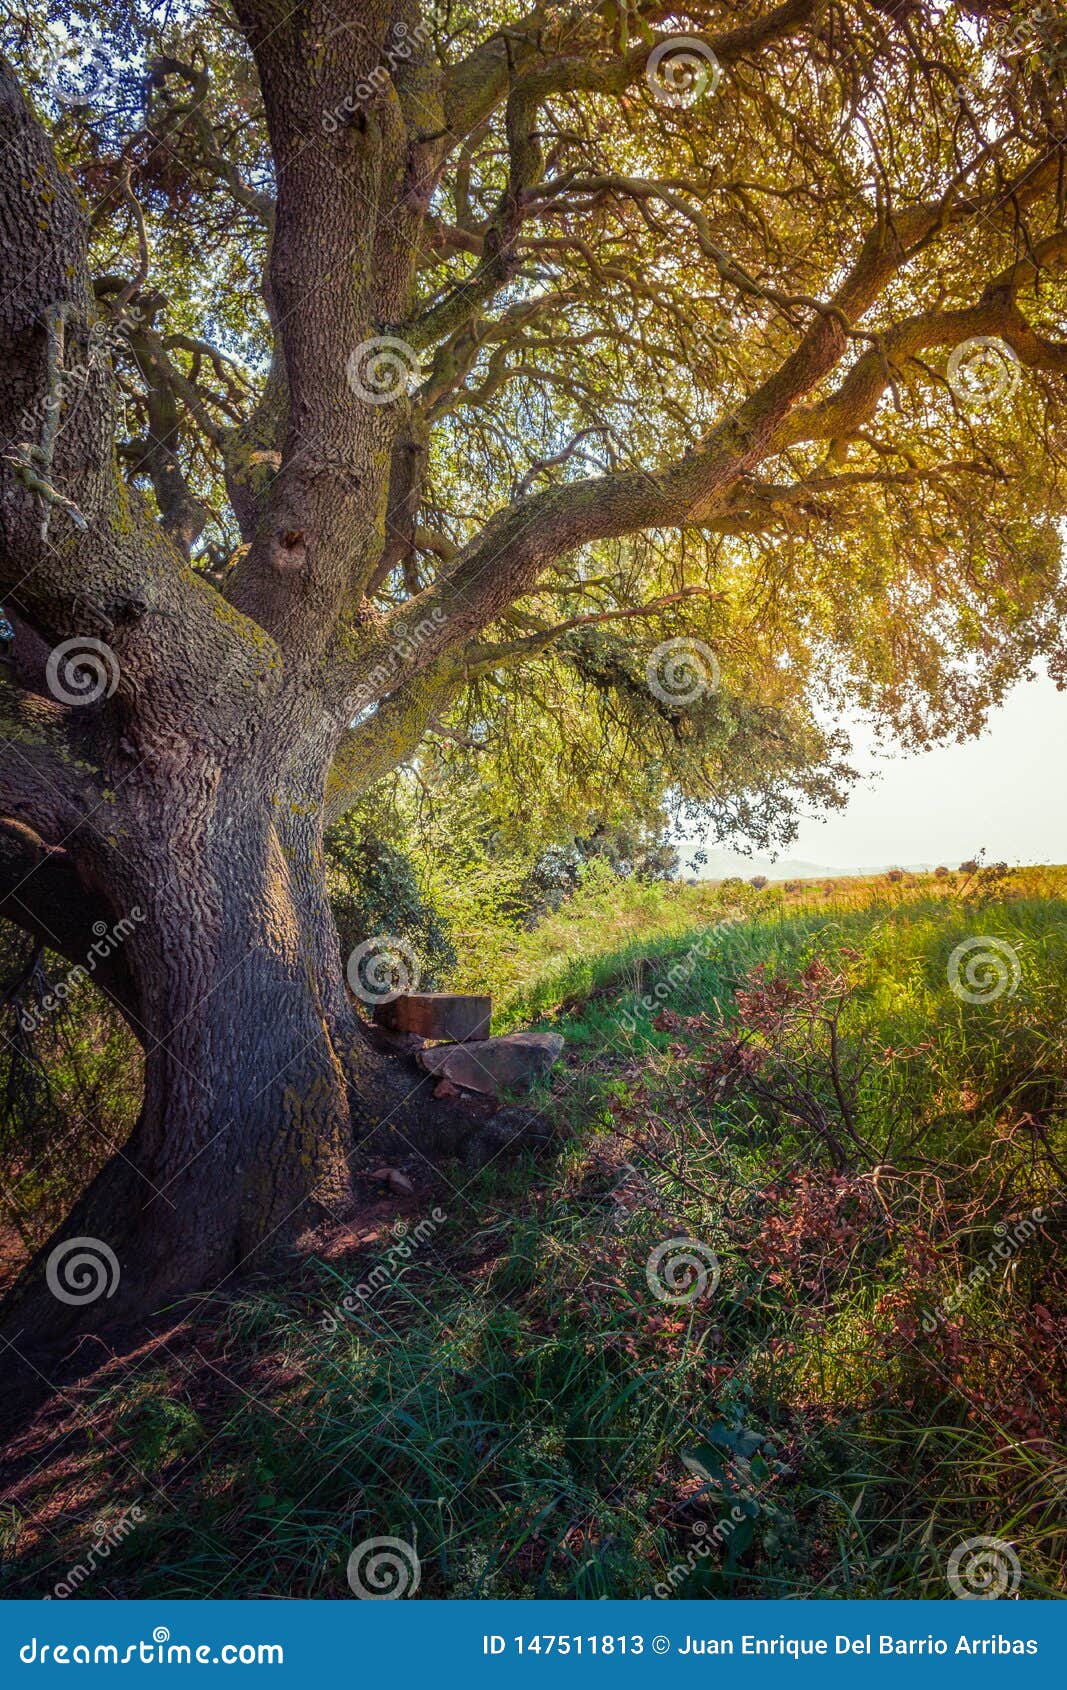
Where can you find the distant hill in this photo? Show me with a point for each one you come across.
(722, 864)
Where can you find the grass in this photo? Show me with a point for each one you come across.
(845, 1401)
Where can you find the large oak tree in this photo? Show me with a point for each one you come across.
(372, 371)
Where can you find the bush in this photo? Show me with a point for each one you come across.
(637, 852)
(374, 889)
(70, 1086)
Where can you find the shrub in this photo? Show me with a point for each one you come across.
(637, 852)
(374, 889)
(70, 1077)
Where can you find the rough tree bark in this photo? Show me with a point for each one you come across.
(259, 1077)
(188, 793)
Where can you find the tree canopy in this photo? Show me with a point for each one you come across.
(605, 393)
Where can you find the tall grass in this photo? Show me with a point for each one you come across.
(514, 1400)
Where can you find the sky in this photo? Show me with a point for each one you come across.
(1006, 791)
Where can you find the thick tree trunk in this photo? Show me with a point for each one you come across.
(260, 1079)
(245, 1130)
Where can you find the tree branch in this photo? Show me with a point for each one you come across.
(42, 893)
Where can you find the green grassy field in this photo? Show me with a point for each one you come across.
(782, 1315)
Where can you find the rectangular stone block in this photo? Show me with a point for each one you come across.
(456, 1016)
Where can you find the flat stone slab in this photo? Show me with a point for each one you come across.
(437, 1015)
(510, 1062)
